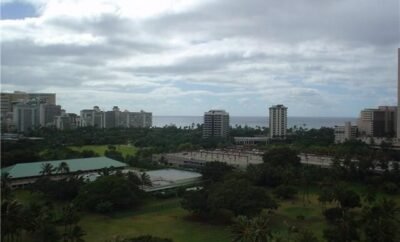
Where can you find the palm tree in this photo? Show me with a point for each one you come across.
(76, 234)
(242, 229)
(382, 221)
(252, 230)
(11, 217)
(5, 186)
(145, 179)
(63, 168)
(47, 169)
(69, 218)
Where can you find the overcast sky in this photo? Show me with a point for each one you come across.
(177, 57)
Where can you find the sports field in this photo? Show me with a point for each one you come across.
(100, 149)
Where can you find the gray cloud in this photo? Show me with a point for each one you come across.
(306, 53)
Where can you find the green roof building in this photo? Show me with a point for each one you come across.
(25, 173)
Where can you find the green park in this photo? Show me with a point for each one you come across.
(279, 199)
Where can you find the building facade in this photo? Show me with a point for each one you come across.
(378, 122)
(346, 132)
(216, 124)
(115, 118)
(47, 114)
(9, 99)
(140, 119)
(277, 121)
(92, 117)
(112, 118)
(26, 116)
(66, 121)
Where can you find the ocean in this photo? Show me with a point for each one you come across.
(305, 122)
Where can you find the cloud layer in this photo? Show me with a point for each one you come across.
(175, 57)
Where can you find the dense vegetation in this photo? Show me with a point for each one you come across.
(350, 216)
(245, 200)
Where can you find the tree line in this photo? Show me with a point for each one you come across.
(247, 200)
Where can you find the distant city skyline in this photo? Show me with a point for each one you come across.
(319, 58)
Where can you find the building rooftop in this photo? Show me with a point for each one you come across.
(217, 111)
(33, 169)
(172, 174)
(171, 178)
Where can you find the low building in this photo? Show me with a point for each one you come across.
(196, 160)
(346, 132)
(23, 174)
(166, 179)
(250, 140)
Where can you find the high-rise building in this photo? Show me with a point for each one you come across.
(277, 121)
(398, 94)
(140, 119)
(93, 117)
(26, 116)
(112, 118)
(115, 118)
(9, 99)
(378, 122)
(216, 124)
(47, 113)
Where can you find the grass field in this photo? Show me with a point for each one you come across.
(162, 218)
(290, 211)
(100, 149)
(166, 218)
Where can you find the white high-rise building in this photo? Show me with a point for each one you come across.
(140, 119)
(92, 117)
(216, 124)
(277, 121)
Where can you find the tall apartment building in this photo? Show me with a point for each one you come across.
(47, 113)
(346, 132)
(92, 117)
(112, 118)
(216, 124)
(115, 118)
(277, 121)
(378, 122)
(140, 119)
(9, 100)
(66, 121)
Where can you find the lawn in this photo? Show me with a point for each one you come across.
(158, 217)
(302, 215)
(100, 149)
(164, 218)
